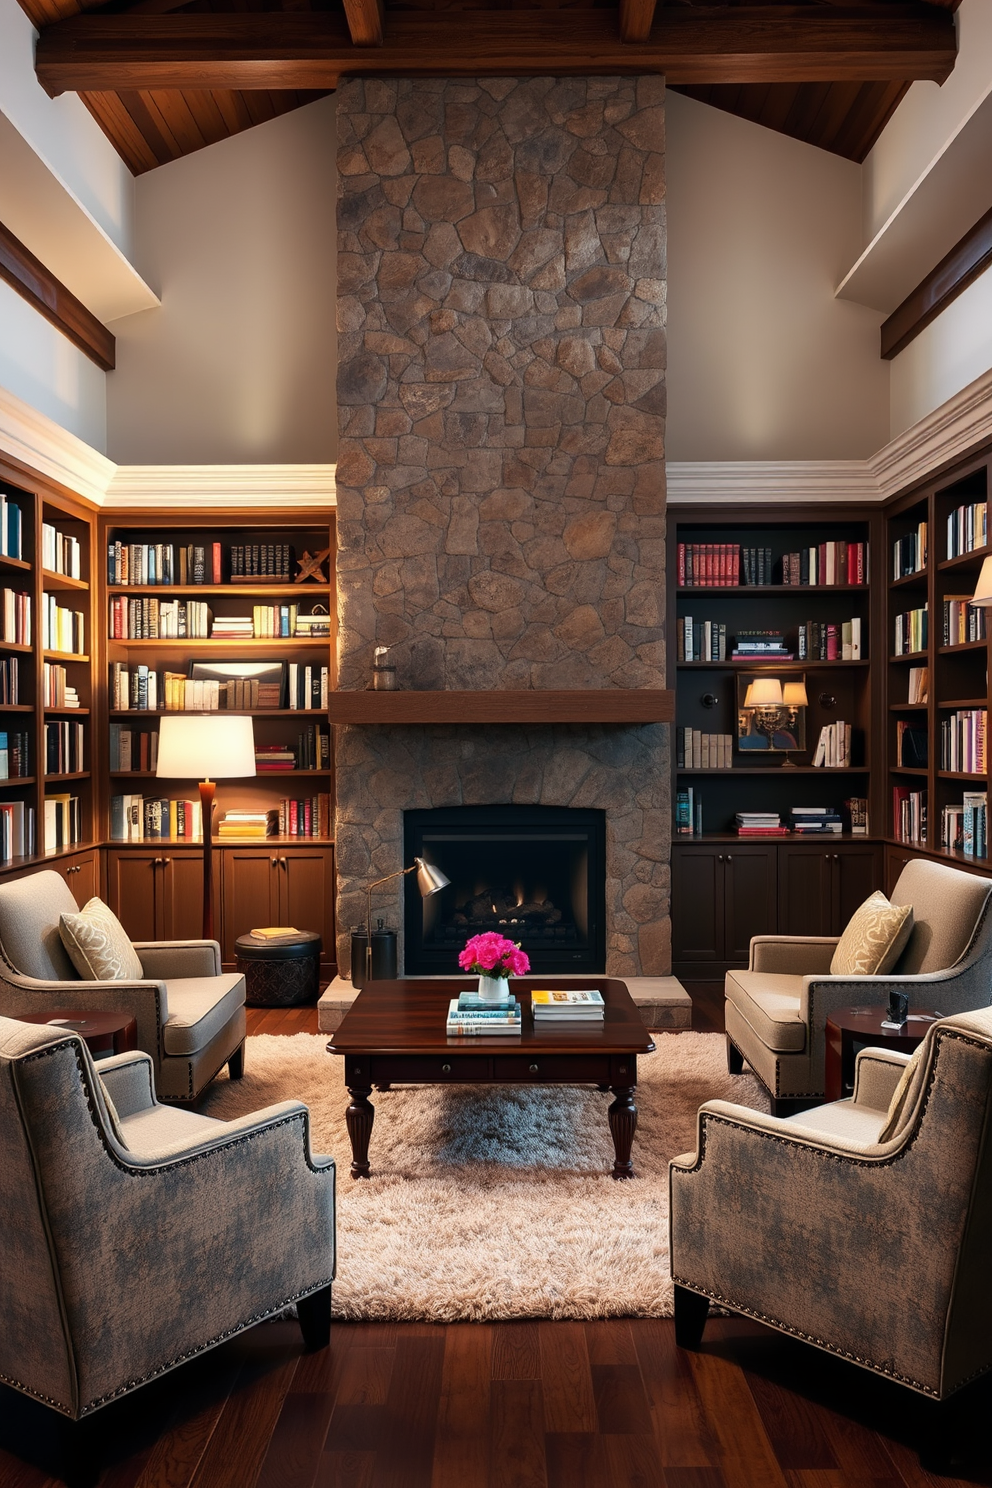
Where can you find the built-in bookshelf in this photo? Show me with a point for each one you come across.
(216, 613)
(47, 805)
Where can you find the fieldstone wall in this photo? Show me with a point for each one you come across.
(501, 307)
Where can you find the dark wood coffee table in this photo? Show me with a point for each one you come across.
(394, 1033)
(851, 1029)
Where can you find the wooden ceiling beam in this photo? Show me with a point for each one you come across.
(366, 22)
(39, 287)
(637, 18)
(265, 49)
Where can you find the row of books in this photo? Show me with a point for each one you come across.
(198, 563)
(912, 745)
(56, 690)
(144, 690)
(17, 830)
(60, 553)
(910, 632)
(963, 621)
(132, 749)
(63, 745)
(307, 687)
(268, 622)
(15, 617)
(700, 640)
(909, 553)
(708, 565)
(909, 814)
(967, 529)
(10, 691)
(312, 752)
(15, 758)
(688, 812)
(964, 828)
(62, 629)
(828, 640)
(63, 822)
(149, 619)
(804, 821)
(963, 736)
(827, 563)
(135, 818)
(761, 645)
(833, 748)
(11, 523)
(695, 750)
(307, 816)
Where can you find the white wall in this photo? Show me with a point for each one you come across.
(238, 365)
(764, 363)
(952, 351)
(38, 364)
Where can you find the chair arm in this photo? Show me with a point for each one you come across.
(163, 959)
(230, 1134)
(147, 1002)
(718, 1112)
(877, 1072)
(129, 1081)
(794, 955)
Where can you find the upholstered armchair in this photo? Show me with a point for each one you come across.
(190, 1014)
(138, 1235)
(876, 1250)
(776, 1011)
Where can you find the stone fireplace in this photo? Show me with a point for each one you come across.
(501, 308)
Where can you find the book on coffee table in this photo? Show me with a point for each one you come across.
(571, 1005)
(488, 1022)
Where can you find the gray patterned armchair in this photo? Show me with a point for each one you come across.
(776, 1012)
(874, 1250)
(136, 1235)
(190, 1013)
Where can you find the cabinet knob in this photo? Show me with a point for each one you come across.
(729, 858)
(166, 862)
(719, 857)
(282, 862)
(532, 1068)
(446, 1069)
(273, 861)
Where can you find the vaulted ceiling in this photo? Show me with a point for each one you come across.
(164, 78)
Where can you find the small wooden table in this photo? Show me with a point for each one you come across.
(851, 1029)
(103, 1033)
(394, 1032)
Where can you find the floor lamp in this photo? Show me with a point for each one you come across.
(206, 747)
(430, 880)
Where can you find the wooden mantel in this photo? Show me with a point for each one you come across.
(594, 705)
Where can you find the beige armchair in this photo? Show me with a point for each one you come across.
(873, 1250)
(776, 1011)
(137, 1235)
(190, 1014)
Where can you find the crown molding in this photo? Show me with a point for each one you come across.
(38, 442)
(939, 439)
(249, 486)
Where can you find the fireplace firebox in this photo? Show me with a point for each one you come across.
(536, 874)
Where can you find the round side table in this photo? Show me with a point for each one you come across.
(283, 973)
(851, 1029)
(103, 1033)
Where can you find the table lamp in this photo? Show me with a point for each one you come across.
(206, 748)
(983, 589)
(430, 880)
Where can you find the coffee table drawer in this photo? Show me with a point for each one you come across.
(431, 1068)
(550, 1067)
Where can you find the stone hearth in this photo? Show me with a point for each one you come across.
(501, 263)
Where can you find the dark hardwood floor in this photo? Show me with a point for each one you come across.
(512, 1405)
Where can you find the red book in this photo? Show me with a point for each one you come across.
(216, 578)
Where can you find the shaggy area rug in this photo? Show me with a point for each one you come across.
(496, 1202)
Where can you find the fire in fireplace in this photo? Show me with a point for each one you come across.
(536, 874)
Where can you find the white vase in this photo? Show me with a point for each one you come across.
(493, 989)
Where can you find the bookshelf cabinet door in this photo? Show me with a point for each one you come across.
(697, 904)
(306, 893)
(134, 891)
(896, 859)
(805, 885)
(82, 874)
(857, 873)
(749, 897)
(251, 894)
(182, 896)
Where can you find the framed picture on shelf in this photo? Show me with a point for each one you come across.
(771, 714)
(243, 684)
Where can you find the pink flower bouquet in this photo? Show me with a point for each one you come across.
(492, 955)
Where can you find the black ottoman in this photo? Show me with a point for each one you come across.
(285, 973)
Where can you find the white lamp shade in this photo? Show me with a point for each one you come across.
(795, 695)
(765, 692)
(983, 589)
(207, 747)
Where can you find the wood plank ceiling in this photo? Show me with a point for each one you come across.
(164, 78)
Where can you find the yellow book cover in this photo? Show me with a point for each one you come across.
(273, 932)
(567, 997)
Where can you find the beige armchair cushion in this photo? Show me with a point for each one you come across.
(874, 939)
(199, 1007)
(29, 926)
(98, 945)
(771, 1003)
(947, 907)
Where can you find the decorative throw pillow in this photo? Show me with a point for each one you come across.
(874, 939)
(98, 945)
(900, 1097)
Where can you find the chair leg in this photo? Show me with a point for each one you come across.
(690, 1317)
(80, 1454)
(735, 1059)
(236, 1063)
(314, 1313)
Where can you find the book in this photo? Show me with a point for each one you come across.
(471, 1002)
(275, 932)
(563, 997)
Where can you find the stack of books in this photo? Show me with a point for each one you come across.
(232, 628)
(761, 645)
(468, 1014)
(249, 824)
(814, 821)
(571, 1005)
(760, 824)
(274, 757)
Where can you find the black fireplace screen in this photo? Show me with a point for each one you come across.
(533, 873)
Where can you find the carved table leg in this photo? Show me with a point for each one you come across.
(359, 1116)
(623, 1124)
